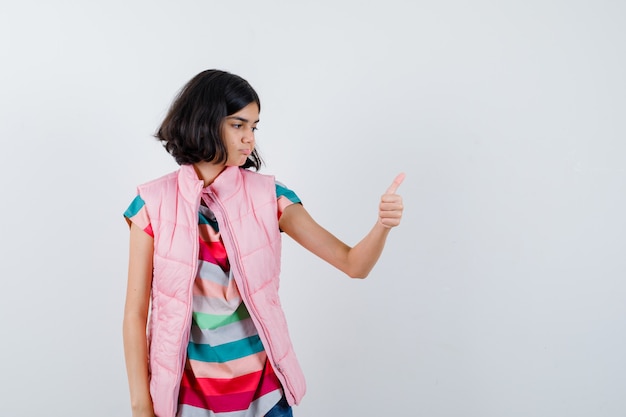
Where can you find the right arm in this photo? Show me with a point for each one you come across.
(135, 320)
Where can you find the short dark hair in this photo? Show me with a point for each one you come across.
(191, 130)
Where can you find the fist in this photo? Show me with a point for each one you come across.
(390, 208)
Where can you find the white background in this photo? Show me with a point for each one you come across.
(501, 294)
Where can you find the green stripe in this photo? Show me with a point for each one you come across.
(226, 352)
(134, 207)
(213, 321)
(287, 193)
(202, 219)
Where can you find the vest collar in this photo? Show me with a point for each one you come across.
(189, 185)
(227, 183)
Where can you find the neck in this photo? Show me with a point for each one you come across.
(207, 171)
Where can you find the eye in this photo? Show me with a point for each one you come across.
(237, 125)
(254, 128)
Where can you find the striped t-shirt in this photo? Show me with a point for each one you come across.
(227, 372)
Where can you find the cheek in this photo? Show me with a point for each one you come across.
(229, 142)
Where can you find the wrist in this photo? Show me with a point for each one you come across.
(142, 408)
(382, 226)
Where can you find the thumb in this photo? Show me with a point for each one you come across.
(396, 183)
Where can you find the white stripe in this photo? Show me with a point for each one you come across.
(213, 273)
(212, 305)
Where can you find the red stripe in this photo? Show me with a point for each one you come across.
(192, 391)
(214, 386)
(220, 386)
(215, 253)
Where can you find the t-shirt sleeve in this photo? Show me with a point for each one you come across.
(286, 197)
(136, 213)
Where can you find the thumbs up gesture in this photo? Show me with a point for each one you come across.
(390, 208)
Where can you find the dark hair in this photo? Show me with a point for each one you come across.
(191, 131)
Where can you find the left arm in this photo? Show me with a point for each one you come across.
(355, 261)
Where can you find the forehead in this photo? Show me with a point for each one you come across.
(250, 114)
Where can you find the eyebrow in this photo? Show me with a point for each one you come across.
(241, 119)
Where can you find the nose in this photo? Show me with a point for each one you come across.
(248, 136)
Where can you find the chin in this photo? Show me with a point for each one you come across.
(237, 163)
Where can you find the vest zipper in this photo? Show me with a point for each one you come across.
(242, 285)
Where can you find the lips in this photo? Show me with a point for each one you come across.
(246, 152)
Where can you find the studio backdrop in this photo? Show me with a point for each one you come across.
(502, 292)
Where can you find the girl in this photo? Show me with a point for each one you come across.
(204, 264)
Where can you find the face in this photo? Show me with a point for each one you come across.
(238, 134)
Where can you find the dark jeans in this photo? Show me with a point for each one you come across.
(281, 409)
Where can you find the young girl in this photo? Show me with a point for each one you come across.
(204, 263)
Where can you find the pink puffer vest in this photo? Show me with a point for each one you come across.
(244, 204)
